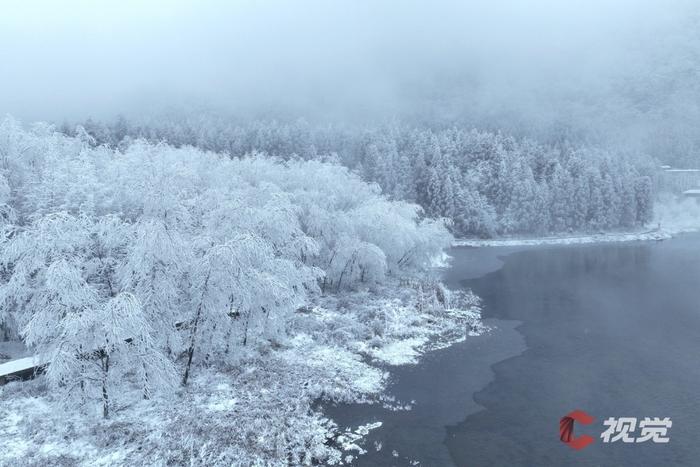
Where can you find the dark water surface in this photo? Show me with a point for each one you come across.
(611, 329)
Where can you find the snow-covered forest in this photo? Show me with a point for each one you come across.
(486, 184)
(137, 271)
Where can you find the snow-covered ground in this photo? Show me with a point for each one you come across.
(261, 409)
(678, 215)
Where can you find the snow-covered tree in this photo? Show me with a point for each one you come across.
(408, 163)
(643, 197)
(241, 288)
(154, 269)
(561, 198)
(65, 294)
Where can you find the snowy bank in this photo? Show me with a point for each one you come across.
(568, 240)
(262, 408)
(672, 216)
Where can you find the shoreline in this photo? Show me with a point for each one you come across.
(612, 237)
(341, 349)
(549, 288)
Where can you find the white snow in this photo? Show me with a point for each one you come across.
(350, 439)
(12, 443)
(677, 215)
(258, 406)
(440, 261)
(568, 240)
(22, 364)
(401, 352)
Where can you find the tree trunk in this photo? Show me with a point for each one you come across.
(245, 331)
(146, 392)
(323, 286)
(351, 265)
(105, 396)
(190, 350)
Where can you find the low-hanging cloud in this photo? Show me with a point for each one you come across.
(533, 63)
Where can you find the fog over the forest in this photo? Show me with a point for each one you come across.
(623, 71)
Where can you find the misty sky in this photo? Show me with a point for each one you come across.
(73, 59)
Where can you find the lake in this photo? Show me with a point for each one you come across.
(612, 329)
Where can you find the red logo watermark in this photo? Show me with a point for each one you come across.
(566, 429)
(618, 429)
